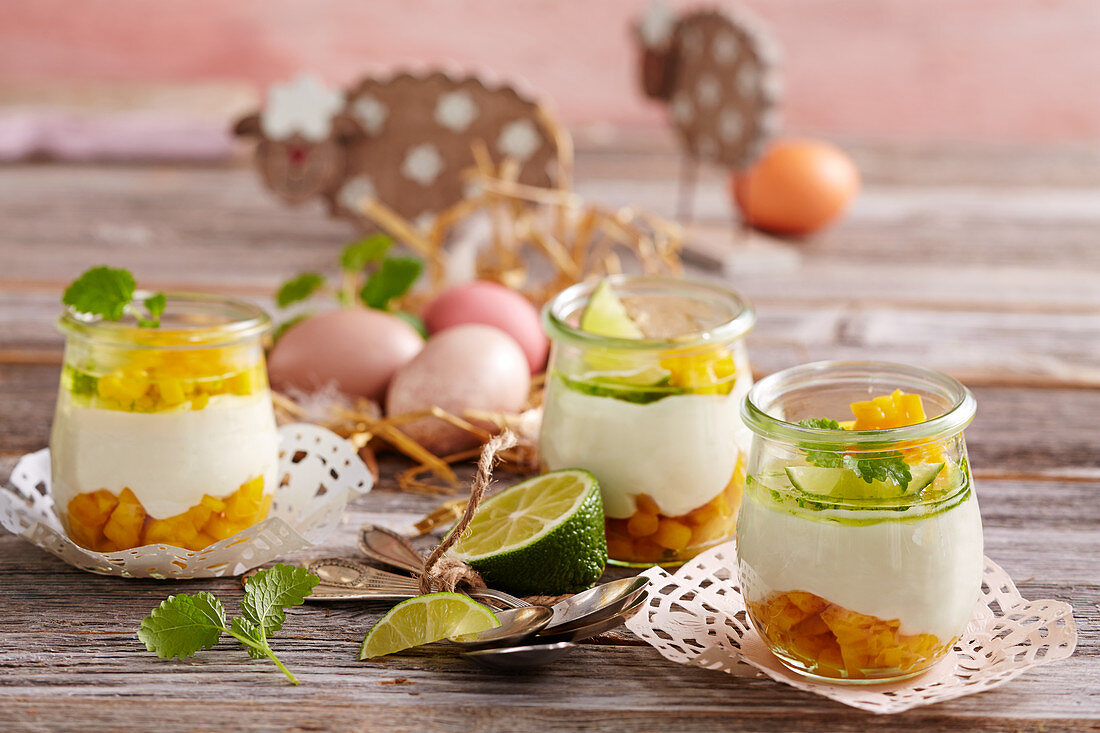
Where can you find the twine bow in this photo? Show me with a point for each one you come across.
(442, 573)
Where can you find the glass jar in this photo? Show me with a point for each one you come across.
(164, 435)
(655, 419)
(859, 543)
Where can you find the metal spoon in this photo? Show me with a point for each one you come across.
(597, 603)
(521, 657)
(552, 645)
(577, 631)
(516, 626)
(388, 547)
(350, 580)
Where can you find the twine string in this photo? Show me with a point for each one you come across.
(442, 573)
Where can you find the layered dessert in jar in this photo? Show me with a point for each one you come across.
(859, 542)
(644, 388)
(164, 435)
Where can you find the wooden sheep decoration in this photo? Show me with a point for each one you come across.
(717, 73)
(404, 141)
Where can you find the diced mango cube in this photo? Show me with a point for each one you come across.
(215, 505)
(171, 391)
(647, 505)
(642, 524)
(672, 534)
(125, 524)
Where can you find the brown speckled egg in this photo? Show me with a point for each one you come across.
(357, 349)
(471, 367)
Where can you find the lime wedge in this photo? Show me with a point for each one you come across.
(841, 483)
(544, 535)
(425, 619)
(605, 315)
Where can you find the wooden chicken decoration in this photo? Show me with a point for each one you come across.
(405, 141)
(717, 72)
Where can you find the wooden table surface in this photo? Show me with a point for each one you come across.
(981, 262)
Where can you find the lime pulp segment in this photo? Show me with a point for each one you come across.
(523, 514)
(842, 483)
(425, 619)
(544, 535)
(605, 315)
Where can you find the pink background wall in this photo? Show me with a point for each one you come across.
(1002, 70)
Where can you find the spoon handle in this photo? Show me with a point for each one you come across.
(389, 548)
(499, 595)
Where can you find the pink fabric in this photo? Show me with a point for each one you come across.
(987, 70)
(71, 135)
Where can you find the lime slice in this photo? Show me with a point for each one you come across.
(644, 378)
(841, 483)
(605, 315)
(425, 619)
(544, 535)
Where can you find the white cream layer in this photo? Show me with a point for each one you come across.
(680, 450)
(168, 459)
(924, 572)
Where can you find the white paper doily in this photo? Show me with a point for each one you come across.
(323, 473)
(697, 616)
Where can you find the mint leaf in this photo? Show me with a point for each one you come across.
(885, 466)
(413, 320)
(243, 628)
(882, 466)
(101, 291)
(820, 423)
(182, 625)
(288, 324)
(269, 592)
(298, 288)
(392, 280)
(155, 305)
(823, 458)
(357, 255)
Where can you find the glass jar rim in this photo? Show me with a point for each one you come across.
(244, 321)
(557, 310)
(951, 422)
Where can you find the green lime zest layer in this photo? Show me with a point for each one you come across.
(775, 491)
(619, 389)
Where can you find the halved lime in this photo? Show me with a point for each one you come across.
(605, 315)
(841, 483)
(544, 535)
(425, 619)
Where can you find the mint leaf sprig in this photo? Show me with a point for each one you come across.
(367, 276)
(183, 625)
(109, 293)
(875, 466)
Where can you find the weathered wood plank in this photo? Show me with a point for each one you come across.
(196, 225)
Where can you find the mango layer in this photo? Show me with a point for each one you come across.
(154, 380)
(649, 536)
(833, 641)
(101, 521)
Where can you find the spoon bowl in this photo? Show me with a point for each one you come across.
(595, 604)
(521, 657)
(516, 626)
(579, 631)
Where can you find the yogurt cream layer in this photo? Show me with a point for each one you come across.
(680, 450)
(924, 571)
(167, 459)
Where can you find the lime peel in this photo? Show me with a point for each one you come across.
(544, 535)
(425, 619)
